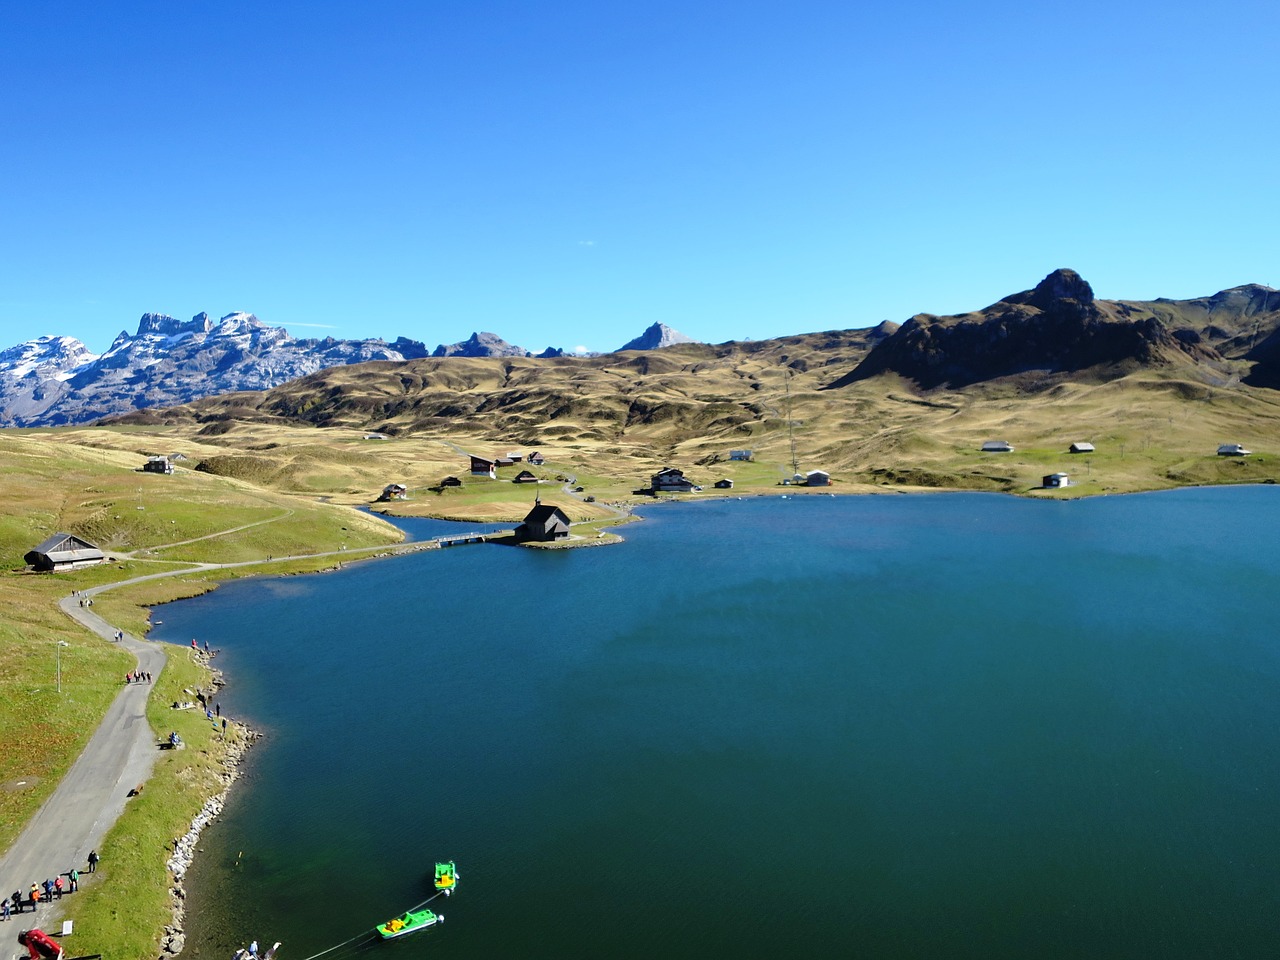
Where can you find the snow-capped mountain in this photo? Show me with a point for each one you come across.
(53, 381)
(57, 380)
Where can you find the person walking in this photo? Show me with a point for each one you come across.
(16, 897)
(34, 894)
(48, 890)
(73, 879)
(57, 886)
(93, 861)
(4, 908)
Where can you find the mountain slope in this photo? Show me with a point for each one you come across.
(1058, 327)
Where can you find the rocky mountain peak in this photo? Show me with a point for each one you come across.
(656, 337)
(480, 345)
(1061, 285)
(163, 325)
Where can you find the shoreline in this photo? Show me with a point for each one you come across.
(173, 939)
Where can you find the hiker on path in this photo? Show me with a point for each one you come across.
(57, 886)
(4, 908)
(93, 861)
(34, 895)
(16, 897)
(48, 890)
(73, 879)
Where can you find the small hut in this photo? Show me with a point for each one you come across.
(817, 478)
(524, 476)
(157, 465)
(1081, 447)
(63, 551)
(450, 482)
(1055, 480)
(394, 491)
(997, 446)
(725, 484)
(1233, 450)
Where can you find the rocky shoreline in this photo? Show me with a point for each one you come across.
(184, 848)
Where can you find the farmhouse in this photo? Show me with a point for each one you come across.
(537, 459)
(544, 523)
(997, 446)
(1081, 447)
(394, 491)
(670, 480)
(1056, 480)
(157, 465)
(480, 467)
(64, 551)
(1233, 450)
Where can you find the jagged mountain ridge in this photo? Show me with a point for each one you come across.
(1059, 327)
(54, 381)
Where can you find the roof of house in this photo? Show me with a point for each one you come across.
(69, 547)
(543, 512)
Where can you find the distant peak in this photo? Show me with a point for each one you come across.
(656, 337)
(161, 324)
(1061, 285)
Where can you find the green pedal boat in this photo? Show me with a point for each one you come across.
(409, 922)
(446, 877)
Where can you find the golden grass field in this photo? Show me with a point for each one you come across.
(278, 487)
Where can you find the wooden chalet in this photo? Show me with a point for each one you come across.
(450, 482)
(725, 484)
(671, 480)
(157, 465)
(504, 462)
(1081, 447)
(537, 459)
(524, 476)
(394, 491)
(63, 551)
(544, 523)
(480, 467)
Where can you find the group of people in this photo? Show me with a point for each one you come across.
(138, 676)
(47, 892)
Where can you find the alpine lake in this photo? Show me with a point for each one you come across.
(933, 726)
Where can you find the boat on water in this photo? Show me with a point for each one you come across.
(446, 877)
(409, 922)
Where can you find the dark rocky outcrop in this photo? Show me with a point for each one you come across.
(1055, 327)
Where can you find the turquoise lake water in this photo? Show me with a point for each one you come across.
(947, 726)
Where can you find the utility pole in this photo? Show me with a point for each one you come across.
(791, 433)
(58, 648)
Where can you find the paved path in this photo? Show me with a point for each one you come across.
(76, 818)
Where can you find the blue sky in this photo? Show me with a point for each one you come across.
(567, 173)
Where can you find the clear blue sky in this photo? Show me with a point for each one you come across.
(567, 173)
